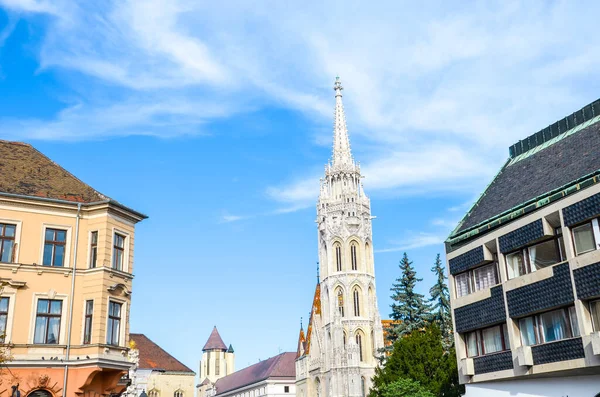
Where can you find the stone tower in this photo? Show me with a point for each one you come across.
(337, 355)
(217, 361)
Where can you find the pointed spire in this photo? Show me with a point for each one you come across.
(342, 155)
(318, 278)
(214, 342)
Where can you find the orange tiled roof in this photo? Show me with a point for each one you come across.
(153, 356)
(316, 310)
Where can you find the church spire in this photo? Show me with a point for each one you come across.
(342, 155)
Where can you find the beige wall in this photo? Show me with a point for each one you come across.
(26, 280)
(166, 384)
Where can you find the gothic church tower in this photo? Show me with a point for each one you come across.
(337, 356)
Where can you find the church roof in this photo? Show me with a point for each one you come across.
(282, 366)
(214, 341)
(154, 357)
(544, 167)
(315, 310)
(25, 171)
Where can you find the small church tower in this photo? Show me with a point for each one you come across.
(337, 356)
(217, 361)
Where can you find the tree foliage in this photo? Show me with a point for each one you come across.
(409, 308)
(420, 356)
(440, 304)
(405, 388)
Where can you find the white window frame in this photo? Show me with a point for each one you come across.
(88, 263)
(66, 228)
(595, 236)
(63, 317)
(122, 324)
(12, 296)
(472, 285)
(83, 320)
(127, 242)
(18, 224)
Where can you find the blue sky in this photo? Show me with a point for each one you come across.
(215, 119)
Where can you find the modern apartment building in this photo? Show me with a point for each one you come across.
(66, 266)
(524, 269)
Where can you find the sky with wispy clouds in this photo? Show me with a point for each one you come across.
(215, 119)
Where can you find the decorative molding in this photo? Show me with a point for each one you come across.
(119, 287)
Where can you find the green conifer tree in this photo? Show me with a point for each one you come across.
(440, 304)
(409, 309)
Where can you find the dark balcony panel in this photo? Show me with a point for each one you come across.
(466, 261)
(568, 349)
(547, 294)
(493, 363)
(481, 314)
(587, 281)
(521, 237)
(582, 210)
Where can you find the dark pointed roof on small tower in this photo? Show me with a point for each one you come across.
(214, 342)
(230, 350)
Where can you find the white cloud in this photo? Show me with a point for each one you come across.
(415, 241)
(444, 92)
(228, 218)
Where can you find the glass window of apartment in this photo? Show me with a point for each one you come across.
(595, 312)
(47, 321)
(54, 247)
(486, 341)
(118, 251)
(93, 249)
(549, 327)
(114, 323)
(477, 279)
(7, 242)
(3, 317)
(536, 256)
(87, 330)
(584, 238)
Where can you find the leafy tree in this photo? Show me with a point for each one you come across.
(409, 309)
(440, 304)
(405, 388)
(420, 356)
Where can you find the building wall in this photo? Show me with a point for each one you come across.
(208, 365)
(580, 386)
(267, 388)
(546, 289)
(27, 281)
(167, 383)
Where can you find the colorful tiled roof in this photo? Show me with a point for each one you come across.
(282, 366)
(304, 341)
(154, 357)
(552, 166)
(214, 341)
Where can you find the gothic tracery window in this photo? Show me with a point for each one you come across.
(356, 296)
(359, 342)
(340, 296)
(353, 256)
(178, 393)
(338, 257)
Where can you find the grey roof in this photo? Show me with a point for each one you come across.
(282, 366)
(540, 171)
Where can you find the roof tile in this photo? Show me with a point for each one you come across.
(153, 356)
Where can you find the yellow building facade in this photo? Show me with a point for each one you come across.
(66, 267)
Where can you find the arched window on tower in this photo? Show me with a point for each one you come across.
(363, 387)
(359, 342)
(340, 298)
(338, 256)
(356, 297)
(344, 339)
(353, 255)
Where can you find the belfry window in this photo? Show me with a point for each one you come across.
(356, 303)
(353, 259)
(338, 257)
